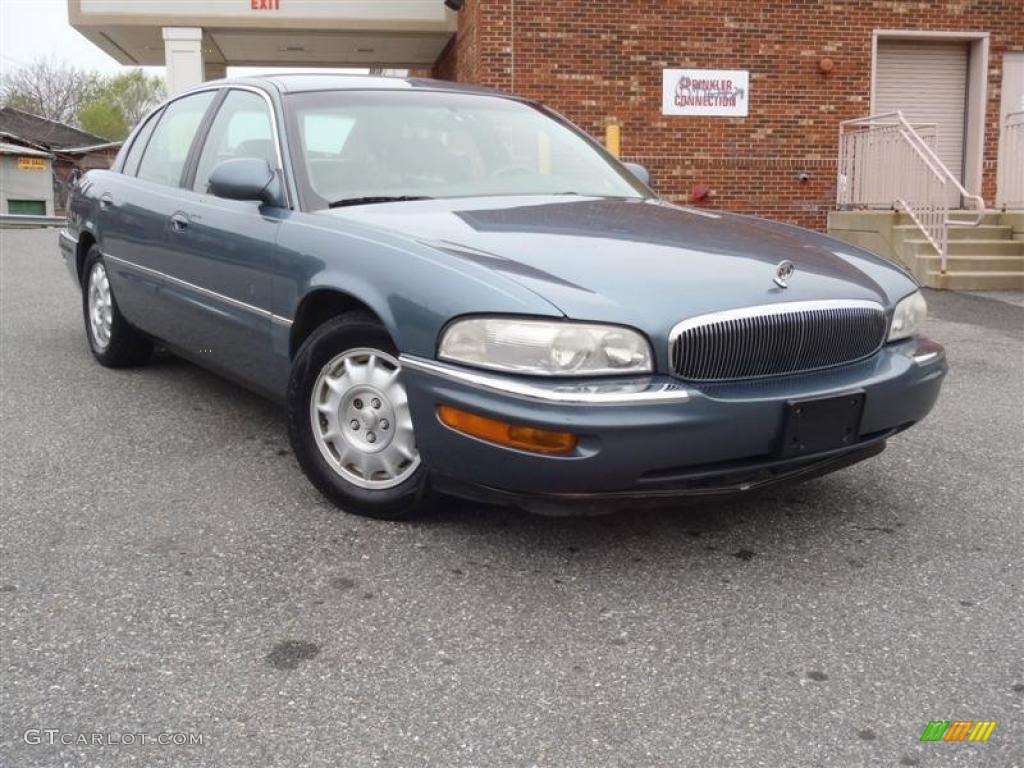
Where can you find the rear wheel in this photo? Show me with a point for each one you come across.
(349, 420)
(113, 341)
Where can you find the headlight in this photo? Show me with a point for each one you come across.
(908, 317)
(546, 348)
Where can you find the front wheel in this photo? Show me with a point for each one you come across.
(349, 420)
(113, 341)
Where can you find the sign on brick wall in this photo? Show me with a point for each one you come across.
(705, 92)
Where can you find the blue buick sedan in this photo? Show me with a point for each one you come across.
(457, 291)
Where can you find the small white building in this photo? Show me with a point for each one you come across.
(26, 180)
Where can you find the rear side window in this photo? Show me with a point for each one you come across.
(164, 158)
(240, 129)
(131, 163)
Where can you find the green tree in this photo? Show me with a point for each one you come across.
(119, 102)
(102, 117)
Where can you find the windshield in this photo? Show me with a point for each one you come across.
(373, 145)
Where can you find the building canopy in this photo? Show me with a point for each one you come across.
(323, 33)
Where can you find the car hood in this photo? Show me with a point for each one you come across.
(646, 263)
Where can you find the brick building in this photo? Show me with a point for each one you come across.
(739, 104)
(811, 64)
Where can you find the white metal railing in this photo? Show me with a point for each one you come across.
(885, 162)
(1011, 163)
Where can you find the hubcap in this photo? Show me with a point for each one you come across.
(361, 422)
(101, 308)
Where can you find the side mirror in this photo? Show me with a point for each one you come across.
(640, 172)
(247, 178)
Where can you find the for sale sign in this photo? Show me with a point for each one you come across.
(705, 92)
(32, 163)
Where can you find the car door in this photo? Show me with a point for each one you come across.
(118, 220)
(220, 252)
(136, 204)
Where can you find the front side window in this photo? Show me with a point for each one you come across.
(165, 155)
(240, 129)
(131, 163)
(363, 144)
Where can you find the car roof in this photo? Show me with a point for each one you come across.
(304, 82)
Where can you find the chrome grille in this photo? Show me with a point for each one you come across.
(776, 339)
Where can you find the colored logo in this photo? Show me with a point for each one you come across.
(958, 730)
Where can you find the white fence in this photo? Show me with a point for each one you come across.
(885, 162)
(1011, 163)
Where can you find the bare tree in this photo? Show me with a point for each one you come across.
(48, 87)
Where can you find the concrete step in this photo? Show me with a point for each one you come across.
(975, 281)
(1014, 219)
(966, 247)
(988, 217)
(981, 232)
(989, 256)
(970, 263)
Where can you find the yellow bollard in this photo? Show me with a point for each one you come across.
(613, 139)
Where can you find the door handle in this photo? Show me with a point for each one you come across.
(106, 200)
(179, 222)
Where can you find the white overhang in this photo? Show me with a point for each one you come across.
(334, 33)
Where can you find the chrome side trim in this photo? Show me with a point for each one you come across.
(199, 289)
(611, 392)
(783, 308)
(65, 235)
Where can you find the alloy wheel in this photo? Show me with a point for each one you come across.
(101, 307)
(361, 421)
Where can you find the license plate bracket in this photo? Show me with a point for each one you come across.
(821, 424)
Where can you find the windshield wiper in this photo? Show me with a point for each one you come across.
(379, 199)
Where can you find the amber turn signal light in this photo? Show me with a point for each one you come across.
(509, 435)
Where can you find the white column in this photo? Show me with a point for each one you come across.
(183, 56)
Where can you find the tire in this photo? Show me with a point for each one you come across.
(349, 421)
(113, 341)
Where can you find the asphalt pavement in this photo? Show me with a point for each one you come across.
(165, 568)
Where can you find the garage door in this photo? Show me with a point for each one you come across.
(927, 81)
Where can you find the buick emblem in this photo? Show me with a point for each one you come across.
(783, 271)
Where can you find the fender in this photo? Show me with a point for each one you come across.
(379, 270)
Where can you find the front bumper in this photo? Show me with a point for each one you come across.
(657, 439)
